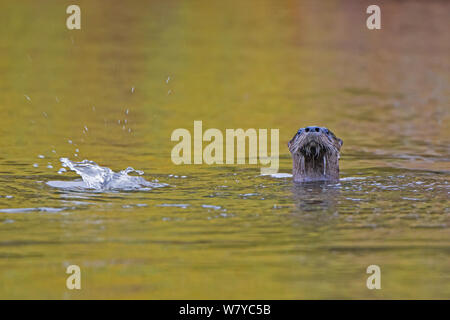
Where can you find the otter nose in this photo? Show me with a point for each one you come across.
(312, 129)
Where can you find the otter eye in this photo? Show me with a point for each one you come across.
(317, 129)
(307, 129)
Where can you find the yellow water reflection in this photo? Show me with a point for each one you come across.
(138, 70)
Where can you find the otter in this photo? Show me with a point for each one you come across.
(315, 155)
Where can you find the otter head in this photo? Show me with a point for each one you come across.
(315, 153)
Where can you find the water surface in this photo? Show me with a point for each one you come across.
(114, 91)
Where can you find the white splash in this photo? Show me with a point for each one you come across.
(103, 178)
(352, 178)
(279, 175)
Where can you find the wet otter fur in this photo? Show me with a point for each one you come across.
(315, 154)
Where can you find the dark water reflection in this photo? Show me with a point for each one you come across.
(316, 196)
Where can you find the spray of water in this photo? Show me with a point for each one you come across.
(103, 178)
